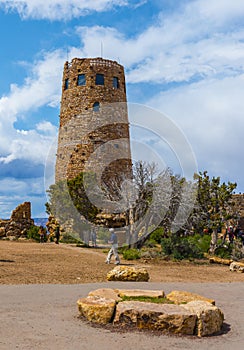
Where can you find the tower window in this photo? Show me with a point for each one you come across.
(81, 81)
(116, 82)
(99, 79)
(96, 107)
(66, 84)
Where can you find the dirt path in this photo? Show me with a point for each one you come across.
(34, 263)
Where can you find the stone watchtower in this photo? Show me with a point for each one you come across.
(94, 128)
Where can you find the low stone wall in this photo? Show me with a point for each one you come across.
(181, 313)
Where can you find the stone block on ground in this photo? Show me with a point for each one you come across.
(209, 317)
(96, 309)
(164, 317)
(141, 293)
(237, 266)
(128, 273)
(217, 260)
(180, 297)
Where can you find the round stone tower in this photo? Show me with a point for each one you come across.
(94, 128)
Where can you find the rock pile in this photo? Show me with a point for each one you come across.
(192, 314)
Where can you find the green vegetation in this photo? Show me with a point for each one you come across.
(212, 211)
(131, 254)
(33, 233)
(156, 300)
(70, 239)
(180, 248)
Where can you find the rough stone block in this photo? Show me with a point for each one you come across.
(164, 317)
(209, 317)
(97, 309)
(237, 266)
(125, 273)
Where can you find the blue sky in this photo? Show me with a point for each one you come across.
(183, 58)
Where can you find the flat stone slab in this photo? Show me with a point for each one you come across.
(128, 273)
(180, 297)
(141, 293)
(107, 293)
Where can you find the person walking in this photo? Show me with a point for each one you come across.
(114, 248)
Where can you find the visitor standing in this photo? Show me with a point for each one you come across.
(94, 237)
(57, 234)
(114, 248)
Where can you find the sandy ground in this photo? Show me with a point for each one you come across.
(40, 285)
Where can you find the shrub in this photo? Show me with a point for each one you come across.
(156, 236)
(69, 239)
(32, 233)
(202, 242)
(131, 254)
(180, 248)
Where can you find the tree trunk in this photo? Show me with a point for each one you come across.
(214, 240)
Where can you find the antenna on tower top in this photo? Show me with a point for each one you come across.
(101, 49)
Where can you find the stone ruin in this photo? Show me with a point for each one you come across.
(18, 224)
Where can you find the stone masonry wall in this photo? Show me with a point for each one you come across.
(19, 222)
(93, 140)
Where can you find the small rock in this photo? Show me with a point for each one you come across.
(237, 266)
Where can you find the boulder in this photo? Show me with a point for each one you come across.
(141, 293)
(180, 297)
(2, 232)
(164, 317)
(237, 266)
(128, 273)
(97, 309)
(106, 293)
(209, 317)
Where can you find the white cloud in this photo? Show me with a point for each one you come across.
(210, 113)
(58, 9)
(41, 87)
(187, 44)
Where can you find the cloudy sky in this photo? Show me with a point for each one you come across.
(184, 58)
